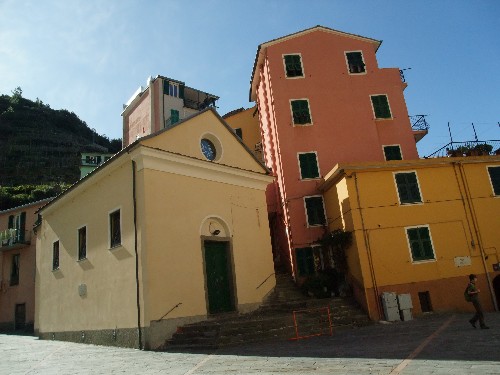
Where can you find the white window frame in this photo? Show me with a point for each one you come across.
(397, 190)
(347, 63)
(489, 178)
(301, 65)
(400, 151)
(324, 211)
(409, 245)
(373, 108)
(310, 113)
(175, 88)
(317, 164)
(109, 228)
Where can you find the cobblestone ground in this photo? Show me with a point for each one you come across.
(435, 344)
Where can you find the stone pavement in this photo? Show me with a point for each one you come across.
(433, 344)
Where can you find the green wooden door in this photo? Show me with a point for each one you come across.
(218, 277)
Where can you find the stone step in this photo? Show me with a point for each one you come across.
(273, 320)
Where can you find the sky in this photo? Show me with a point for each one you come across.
(90, 56)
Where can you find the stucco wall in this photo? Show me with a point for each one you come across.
(108, 274)
(459, 208)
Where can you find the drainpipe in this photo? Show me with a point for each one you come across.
(368, 250)
(136, 258)
(470, 204)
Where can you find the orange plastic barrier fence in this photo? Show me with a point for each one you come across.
(312, 322)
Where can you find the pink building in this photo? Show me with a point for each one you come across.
(159, 105)
(322, 100)
(17, 267)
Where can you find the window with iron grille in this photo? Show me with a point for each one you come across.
(115, 229)
(355, 62)
(308, 164)
(293, 66)
(392, 153)
(305, 261)
(315, 211)
(494, 173)
(408, 189)
(300, 111)
(381, 107)
(55, 256)
(420, 242)
(82, 243)
(14, 270)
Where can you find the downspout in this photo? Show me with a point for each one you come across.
(368, 250)
(136, 258)
(477, 232)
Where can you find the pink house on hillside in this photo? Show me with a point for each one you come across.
(322, 100)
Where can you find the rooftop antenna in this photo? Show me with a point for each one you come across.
(475, 135)
(449, 131)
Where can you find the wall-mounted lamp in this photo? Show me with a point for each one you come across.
(213, 232)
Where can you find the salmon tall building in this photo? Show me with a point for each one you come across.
(322, 100)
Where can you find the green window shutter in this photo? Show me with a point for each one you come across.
(315, 211)
(181, 91)
(392, 153)
(165, 87)
(381, 106)
(293, 66)
(420, 243)
(408, 188)
(300, 110)
(494, 173)
(11, 222)
(174, 116)
(308, 165)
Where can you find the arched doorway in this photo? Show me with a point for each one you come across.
(218, 265)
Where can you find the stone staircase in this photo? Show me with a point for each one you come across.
(273, 320)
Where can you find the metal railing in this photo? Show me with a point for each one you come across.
(12, 236)
(468, 148)
(419, 123)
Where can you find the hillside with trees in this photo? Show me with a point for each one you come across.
(40, 149)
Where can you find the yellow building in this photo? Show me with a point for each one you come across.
(169, 231)
(245, 122)
(420, 227)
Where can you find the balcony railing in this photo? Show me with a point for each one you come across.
(11, 237)
(468, 148)
(419, 123)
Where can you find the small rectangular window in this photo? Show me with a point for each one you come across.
(494, 173)
(355, 62)
(419, 239)
(239, 132)
(392, 153)
(308, 164)
(173, 89)
(300, 111)
(55, 256)
(14, 270)
(315, 211)
(408, 189)
(115, 229)
(82, 243)
(293, 66)
(305, 261)
(381, 107)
